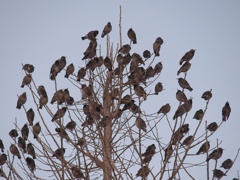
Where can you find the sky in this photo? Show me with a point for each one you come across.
(40, 32)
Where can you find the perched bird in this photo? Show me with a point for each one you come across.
(62, 133)
(125, 49)
(226, 110)
(13, 133)
(139, 91)
(99, 61)
(157, 46)
(227, 164)
(126, 99)
(179, 112)
(26, 80)
(43, 100)
(120, 59)
(212, 126)
(104, 121)
(58, 97)
(62, 63)
(126, 59)
(132, 36)
(30, 116)
(107, 29)
(158, 88)
(188, 105)
(21, 100)
(86, 91)
(184, 128)
(59, 114)
(31, 150)
(207, 95)
(164, 109)
(198, 114)
(31, 164)
(146, 54)
(140, 123)
(118, 113)
(91, 35)
(181, 97)
(70, 100)
(133, 65)
(1, 146)
(129, 105)
(149, 72)
(138, 58)
(14, 150)
(204, 148)
(188, 141)
(41, 91)
(22, 144)
(81, 74)
(215, 154)
(92, 64)
(77, 173)
(184, 68)
(28, 67)
(36, 130)
(143, 172)
(158, 68)
(150, 151)
(187, 56)
(184, 84)
(59, 153)
(70, 69)
(25, 131)
(177, 136)
(89, 54)
(66, 94)
(217, 173)
(71, 125)
(3, 159)
(108, 63)
(168, 152)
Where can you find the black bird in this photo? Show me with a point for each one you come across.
(59, 153)
(207, 95)
(13, 133)
(140, 123)
(204, 148)
(70, 69)
(187, 56)
(198, 114)
(157, 46)
(3, 159)
(31, 150)
(143, 172)
(125, 49)
(146, 54)
(1, 146)
(28, 67)
(26, 80)
(25, 131)
(81, 74)
(31, 164)
(184, 84)
(59, 114)
(184, 68)
(107, 29)
(227, 164)
(91, 35)
(150, 151)
(164, 109)
(132, 36)
(215, 154)
(36, 130)
(212, 126)
(30, 116)
(226, 110)
(77, 173)
(14, 150)
(22, 144)
(21, 100)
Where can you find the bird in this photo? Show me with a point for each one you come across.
(59, 153)
(217, 173)
(43, 100)
(13, 133)
(31, 164)
(22, 144)
(198, 114)
(92, 64)
(126, 99)
(71, 125)
(59, 114)
(81, 142)
(140, 123)
(146, 54)
(179, 112)
(81, 74)
(139, 91)
(133, 65)
(91, 35)
(164, 109)
(21, 100)
(55, 69)
(158, 68)
(188, 105)
(212, 127)
(25, 132)
(118, 113)
(184, 84)
(181, 97)
(227, 164)
(26, 80)
(77, 173)
(226, 110)
(70, 100)
(14, 150)
(157, 46)
(150, 151)
(30, 116)
(143, 172)
(127, 59)
(187, 56)
(70, 69)
(184, 128)
(104, 121)
(1, 145)
(62, 63)
(36, 130)
(207, 95)
(188, 141)
(129, 105)
(108, 63)
(41, 91)
(28, 67)
(3, 159)
(149, 72)
(89, 54)
(138, 58)
(177, 136)
(158, 88)
(66, 94)
(86, 91)
(62, 133)
(107, 29)
(184, 68)
(204, 148)
(58, 97)
(99, 61)
(132, 36)
(168, 152)
(125, 49)
(215, 154)
(31, 150)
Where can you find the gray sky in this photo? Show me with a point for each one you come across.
(39, 32)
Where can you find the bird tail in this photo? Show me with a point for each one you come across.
(22, 85)
(180, 62)
(190, 89)
(135, 42)
(66, 76)
(18, 106)
(178, 72)
(83, 38)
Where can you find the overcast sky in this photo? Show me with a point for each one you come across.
(39, 32)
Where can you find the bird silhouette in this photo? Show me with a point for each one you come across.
(107, 29)
(226, 110)
(132, 36)
(157, 46)
(187, 56)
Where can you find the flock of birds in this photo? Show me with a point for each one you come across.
(137, 77)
